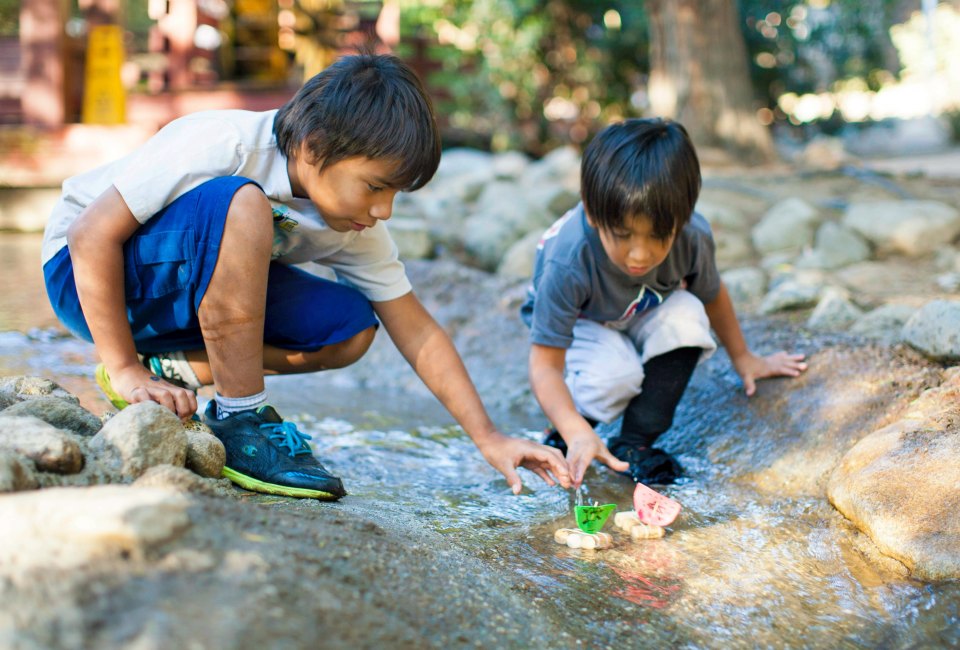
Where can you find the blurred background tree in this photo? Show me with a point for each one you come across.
(533, 74)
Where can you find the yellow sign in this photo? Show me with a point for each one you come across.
(104, 101)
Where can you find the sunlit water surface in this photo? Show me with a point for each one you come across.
(738, 568)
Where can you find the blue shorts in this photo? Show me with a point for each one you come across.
(167, 267)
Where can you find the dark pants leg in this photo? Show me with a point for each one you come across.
(650, 413)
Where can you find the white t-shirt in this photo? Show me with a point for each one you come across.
(195, 148)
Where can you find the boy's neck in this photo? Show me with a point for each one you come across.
(295, 185)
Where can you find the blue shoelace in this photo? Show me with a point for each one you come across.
(286, 434)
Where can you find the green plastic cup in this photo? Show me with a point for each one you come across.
(590, 519)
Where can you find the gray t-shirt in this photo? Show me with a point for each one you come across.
(573, 278)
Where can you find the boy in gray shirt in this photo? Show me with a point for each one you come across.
(625, 291)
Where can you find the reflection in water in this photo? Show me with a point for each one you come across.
(739, 568)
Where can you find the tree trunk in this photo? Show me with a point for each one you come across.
(699, 76)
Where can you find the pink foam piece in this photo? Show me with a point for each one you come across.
(653, 508)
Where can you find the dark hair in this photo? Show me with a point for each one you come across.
(364, 105)
(641, 167)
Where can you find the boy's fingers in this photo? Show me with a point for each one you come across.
(749, 386)
(542, 473)
(513, 479)
(613, 462)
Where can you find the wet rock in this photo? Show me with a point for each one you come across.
(139, 437)
(51, 449)
(71, 527)
(16, 474)
(910, 227)
(61, 413)
(884, 324)
(835, 246)
(175, 478)
(205, 453)
(935, 330)
(834, 312)
(17, 389)
(787, 226)
(901, 486)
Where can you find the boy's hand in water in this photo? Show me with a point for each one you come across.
(583, 448)
(750, 367)
(137, 384)
(506, 454)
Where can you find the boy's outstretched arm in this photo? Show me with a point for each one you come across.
(96, 241)
(583, 444)
(428, 349)
(749, 366)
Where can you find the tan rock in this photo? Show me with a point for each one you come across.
(205, 453)
(901, 486)
(51, 449)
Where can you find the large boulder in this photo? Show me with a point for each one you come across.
(71, 527)
(910, 227)
(901, 485)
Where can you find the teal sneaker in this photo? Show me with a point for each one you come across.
(266, 454)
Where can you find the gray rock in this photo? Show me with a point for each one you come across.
(551, 199)
(935, 330)
(509, 164)
(901, 486)
(722, 216)
(139, 437)
(205, 453)
(18, 389)
(51, 449)
(560, 165)
(787, 226)
(732, 248)
(834, 312)
(502, 216)
(835, 246)
(790, 294)
(519, 259)
(412, 237)
(16, 474)
(68, 528)
(61, 413)
(910, 227)
(884, 324)
(745, 285)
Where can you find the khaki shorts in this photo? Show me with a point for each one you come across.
(604, 366)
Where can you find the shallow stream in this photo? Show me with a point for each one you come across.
(741, 567)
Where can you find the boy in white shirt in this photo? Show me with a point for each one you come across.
(174, 261)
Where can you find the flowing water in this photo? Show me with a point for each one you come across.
(740, 567)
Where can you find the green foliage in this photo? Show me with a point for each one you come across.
(529, 74)
(807, 46)
(9, 17)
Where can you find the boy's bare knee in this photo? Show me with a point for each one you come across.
(250, 210)
(354, 348)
